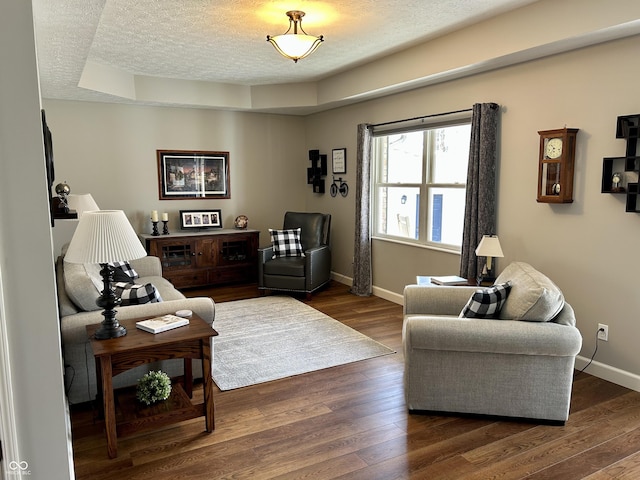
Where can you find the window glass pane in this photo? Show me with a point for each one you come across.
(420, 184)
(446, 215)
(404, 163)
(451, 154)
(398, 211)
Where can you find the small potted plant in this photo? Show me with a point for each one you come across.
(153, 387)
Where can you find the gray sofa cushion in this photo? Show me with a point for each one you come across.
(65, 304)
(83, 292)
(533, 296)
(79, 287)
(290, 266)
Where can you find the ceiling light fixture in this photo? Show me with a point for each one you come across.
(295, 45)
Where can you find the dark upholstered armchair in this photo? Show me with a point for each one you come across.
(296, 273)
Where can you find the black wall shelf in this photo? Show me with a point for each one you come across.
(317, 170)
(627, 127)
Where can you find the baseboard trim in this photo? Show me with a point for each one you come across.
(342, 278)
(377, 291)
(388, 295)
(609, 373)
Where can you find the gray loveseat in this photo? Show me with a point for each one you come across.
(518, 365)
(77, 309)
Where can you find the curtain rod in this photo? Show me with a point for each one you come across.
(422, 117)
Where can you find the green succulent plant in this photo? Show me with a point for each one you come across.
(153, 387)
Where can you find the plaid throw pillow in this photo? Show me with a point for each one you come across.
(132, 294)
(486, 302)
(120, 268)
(286, 243)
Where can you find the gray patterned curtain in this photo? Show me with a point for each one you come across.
(362, 246)
(480, 209)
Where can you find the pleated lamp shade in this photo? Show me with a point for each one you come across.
(104, 236)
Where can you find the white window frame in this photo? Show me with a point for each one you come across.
(424, 124)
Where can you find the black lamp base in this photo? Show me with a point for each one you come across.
(108, 300)
(110, 331)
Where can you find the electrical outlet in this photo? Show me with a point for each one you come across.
(603, 332)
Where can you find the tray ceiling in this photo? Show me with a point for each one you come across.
(224, 41)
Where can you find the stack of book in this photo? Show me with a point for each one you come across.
(162, 324)
(449, 280)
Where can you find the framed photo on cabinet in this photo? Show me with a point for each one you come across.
(190, 219)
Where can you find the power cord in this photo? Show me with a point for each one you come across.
(592, 356)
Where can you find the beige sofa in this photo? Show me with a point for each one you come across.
(77, 309)
(518, 365)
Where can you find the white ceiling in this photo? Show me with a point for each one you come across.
(224, 41)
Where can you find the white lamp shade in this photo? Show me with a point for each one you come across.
(82, 202)
(104, 236)
(489, 246)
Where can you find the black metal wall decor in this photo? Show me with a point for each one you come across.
(317, 171)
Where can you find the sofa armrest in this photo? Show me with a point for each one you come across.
(423, 332)
(318, 266)
(437, 300)
(264, 255)
(148, 266)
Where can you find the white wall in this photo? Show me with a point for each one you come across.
(26, 262)
(109, 150)
(590, 247)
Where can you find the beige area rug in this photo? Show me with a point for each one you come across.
(268, 338)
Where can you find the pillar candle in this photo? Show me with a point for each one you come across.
(154, 215)
(165, 217)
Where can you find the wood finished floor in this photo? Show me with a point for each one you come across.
(350, 422)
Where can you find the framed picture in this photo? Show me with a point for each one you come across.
(339, 160)
(200, 219)
(186, 174)
(48, 158)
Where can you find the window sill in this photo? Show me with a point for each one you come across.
(416, 245)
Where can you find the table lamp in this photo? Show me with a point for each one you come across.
(102, 237)
(82, 202)
(489, 247)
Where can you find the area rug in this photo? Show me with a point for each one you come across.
(268, 338)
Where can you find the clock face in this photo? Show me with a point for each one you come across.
(553, 149)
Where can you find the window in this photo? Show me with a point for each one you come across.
(419, 184)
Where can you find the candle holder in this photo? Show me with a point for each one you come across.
(165, 228)
(155, 229)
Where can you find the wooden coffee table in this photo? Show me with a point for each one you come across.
(116, 355)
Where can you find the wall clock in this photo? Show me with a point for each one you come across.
(556, 164)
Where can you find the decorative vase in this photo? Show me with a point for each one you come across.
(241, 222)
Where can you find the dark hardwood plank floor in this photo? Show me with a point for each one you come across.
(350, 422)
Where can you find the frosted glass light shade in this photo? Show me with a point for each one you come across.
(104, 236)
(82, 202)
(292, 44)
(295, 46)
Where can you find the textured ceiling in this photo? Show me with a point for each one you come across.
(224, 41)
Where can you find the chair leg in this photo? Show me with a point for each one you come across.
(308, 296)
